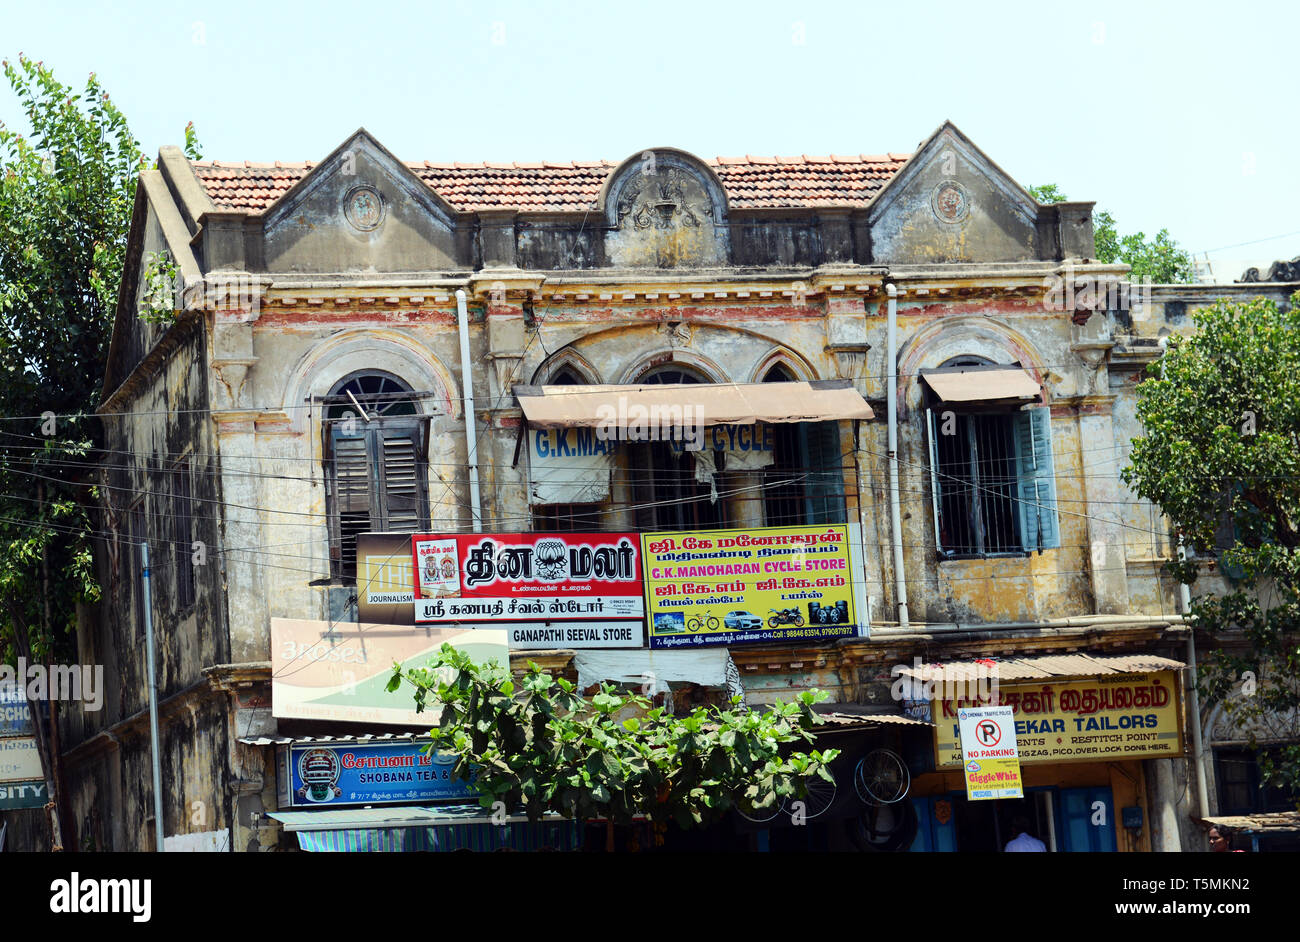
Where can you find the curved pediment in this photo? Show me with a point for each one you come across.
(665, 208)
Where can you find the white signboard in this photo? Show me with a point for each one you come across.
(568, 466)
(989, 754)
(19, 760)
(577, 634)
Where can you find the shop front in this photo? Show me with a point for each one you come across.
(392, 793)
(1084, 725)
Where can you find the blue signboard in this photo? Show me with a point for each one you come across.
(324, 774)
(15, 714)
(22, 795)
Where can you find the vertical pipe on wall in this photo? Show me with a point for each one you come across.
(467, 389)
(895, 515)
(1193, 696)
(153, 696)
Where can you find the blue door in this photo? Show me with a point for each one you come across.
(1085, 820)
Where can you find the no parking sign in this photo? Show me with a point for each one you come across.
(990, 758)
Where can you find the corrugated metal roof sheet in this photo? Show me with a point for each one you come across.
(298, 740)
(400, 816)
(1277, 822)
(872, 719)
(1044, 667)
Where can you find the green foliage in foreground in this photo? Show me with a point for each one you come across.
(1221, 452)
(540, 745)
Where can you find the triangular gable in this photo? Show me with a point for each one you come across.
(950, 203)
(343, 160)
(359, 210)
(949, 136)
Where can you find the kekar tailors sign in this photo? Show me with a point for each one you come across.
(1115, 716)
(546, 590)
(738, 586)
(988, 745)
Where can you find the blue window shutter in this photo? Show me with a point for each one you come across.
(1036, 477)
(934, 478)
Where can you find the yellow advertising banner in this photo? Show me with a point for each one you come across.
(1120, 716)
(748, 586)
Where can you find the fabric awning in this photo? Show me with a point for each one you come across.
(707, 668)
(981, 384)
(708, 404)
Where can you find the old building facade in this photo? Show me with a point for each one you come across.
(307, 293)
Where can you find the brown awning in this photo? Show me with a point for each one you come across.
(708, 404)
(981, 384)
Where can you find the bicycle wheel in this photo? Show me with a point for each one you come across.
(881, 778)
(759, 815)
(693, 624)
(819, 797)
(713, 623)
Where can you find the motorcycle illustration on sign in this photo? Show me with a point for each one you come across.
(785, 616)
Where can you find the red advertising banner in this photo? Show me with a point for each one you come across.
(527, 577)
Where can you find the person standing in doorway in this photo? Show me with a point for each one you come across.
(1022, 842)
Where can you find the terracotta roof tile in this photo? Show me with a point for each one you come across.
(751, 182)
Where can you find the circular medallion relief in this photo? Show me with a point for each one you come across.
(949, 201)
(364, 208)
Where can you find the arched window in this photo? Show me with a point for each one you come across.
(667, 490)
(675, 374)
(804, 486)
(376, 464)
(379, 394)
(991, 472)
(566, 376)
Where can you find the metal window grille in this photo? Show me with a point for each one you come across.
(977, 471)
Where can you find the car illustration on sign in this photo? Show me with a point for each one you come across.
(741, 620)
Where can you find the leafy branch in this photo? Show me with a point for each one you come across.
(538, 744)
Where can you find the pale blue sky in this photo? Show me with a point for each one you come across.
(1166, 114)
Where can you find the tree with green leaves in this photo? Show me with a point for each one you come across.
(1161, 260)
(540, 746)
(1221, 453)
(67, 188)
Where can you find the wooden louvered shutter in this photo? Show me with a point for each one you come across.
(824, 489)
(351, 481)
(401, 449)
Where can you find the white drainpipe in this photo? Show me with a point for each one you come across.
(471, 431)
(891, 399)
